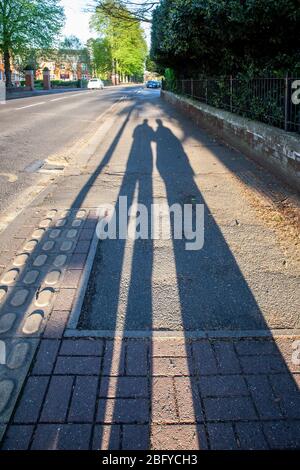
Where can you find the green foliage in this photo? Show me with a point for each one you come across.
(257, 99)
(249, 101)
(71, 42)
(65, 84)
(101, 57)
(27, 25)
(38, 84)
(151, 66)
(218, 37)
(139, 10)
(121, 44)
(30, 58)
(170, 74)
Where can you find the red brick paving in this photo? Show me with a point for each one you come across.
(203, 395)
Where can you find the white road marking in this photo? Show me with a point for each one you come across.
(69, 96)
(55, 99)
(31, 105)
(88, 92)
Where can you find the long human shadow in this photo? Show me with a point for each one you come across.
(212, 290)
(131, 272)
(172, 161)
(214, 295)
(36, 287)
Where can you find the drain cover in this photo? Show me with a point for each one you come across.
(34, 166)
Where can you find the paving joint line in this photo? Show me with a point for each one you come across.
(72, 332)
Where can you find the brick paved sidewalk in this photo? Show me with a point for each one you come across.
(164, 394)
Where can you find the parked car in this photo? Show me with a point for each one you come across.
(95, 84)
(153, 84)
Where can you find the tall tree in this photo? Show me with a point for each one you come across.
(139, 10)
(226, 36)
(26, 24)
(124, 38)
(100, 52)
(71, 42)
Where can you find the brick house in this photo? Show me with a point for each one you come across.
(16, 76)
(69, 65)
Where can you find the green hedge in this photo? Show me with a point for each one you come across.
(38, 84)
(258, 99)
(66, 84)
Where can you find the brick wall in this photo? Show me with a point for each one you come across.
(272, 148)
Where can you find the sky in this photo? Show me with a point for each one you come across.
(77, 22)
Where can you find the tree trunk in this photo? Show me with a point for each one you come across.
(7, 68)
(113, 75)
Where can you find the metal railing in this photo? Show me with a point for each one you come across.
(274, 101)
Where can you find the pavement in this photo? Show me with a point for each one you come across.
(144, 345)
(17, 94)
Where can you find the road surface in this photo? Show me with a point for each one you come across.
(35, 129)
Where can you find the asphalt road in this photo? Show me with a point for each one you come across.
(36, 128)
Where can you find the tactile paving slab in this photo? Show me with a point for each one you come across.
(29, 288)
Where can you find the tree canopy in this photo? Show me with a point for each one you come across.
(139, 10)
(121, 46)
(28, 24)
(216, 37)
(71, 42)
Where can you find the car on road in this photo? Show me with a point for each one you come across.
(153, 84)
(95, 84)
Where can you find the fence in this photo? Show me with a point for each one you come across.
(274, 101)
